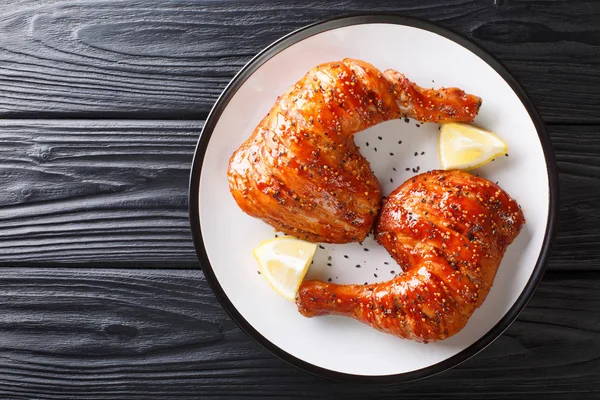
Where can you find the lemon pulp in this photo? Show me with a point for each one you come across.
(466, 147)
(283, 262)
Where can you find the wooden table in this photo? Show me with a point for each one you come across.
(102, 103)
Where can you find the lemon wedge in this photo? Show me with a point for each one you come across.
(466, 147)
(283, 262)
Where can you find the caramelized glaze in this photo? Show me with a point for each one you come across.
(448, 230)
(300, 170)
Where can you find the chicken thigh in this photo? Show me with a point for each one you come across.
(300, 170)
(448, 230)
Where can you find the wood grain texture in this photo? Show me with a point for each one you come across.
(158, 59)
(114, 193)
(148, 334)
(100, 192)
(577, 151)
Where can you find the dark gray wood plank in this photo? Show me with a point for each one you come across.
(577, 151)
(148, 334)
(114, 193)
(100, 192)
(157, 59)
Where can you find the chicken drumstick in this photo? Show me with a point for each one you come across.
(448, 230)
(300, 170)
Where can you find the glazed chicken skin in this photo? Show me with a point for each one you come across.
(300, 170)
(449, 231)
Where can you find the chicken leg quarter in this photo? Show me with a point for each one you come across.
(300, 170)
(449, 231)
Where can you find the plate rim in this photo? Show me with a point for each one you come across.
(303, 33)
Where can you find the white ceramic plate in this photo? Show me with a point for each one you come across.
(224, 236)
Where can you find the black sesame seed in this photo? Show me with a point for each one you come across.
(506, 155)
(366, 283)
(417, 125)
(345, 256)
(329, 280)
(329, 258)
(422, 152)
(379, 137)
(276, 235)
(416, 154)
(399, 141)
(393, 168)
(312, 262)
(375, 275)
(375, 148)
(392, 272)
(367, 144)
(329, 264)
(321, 247)
(392, 180)
(357, 265)
(406, 120)
(258, 272)
(391, 154)
(386, 263)
(365, 249)
(407, 169)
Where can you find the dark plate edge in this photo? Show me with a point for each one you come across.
(302, 34)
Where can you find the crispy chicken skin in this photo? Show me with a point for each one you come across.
(448, 230)
(300, 170)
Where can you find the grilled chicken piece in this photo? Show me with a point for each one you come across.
(300, 170)
(448, 230)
